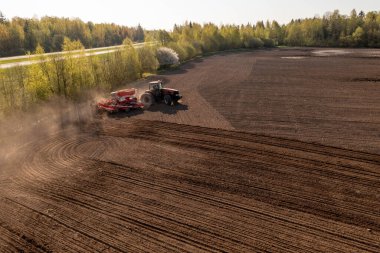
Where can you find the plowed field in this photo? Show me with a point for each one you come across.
(246, 163)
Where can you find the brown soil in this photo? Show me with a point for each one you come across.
(333, 101)
(245, 164)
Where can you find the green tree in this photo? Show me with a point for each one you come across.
(312, 32)
(248, 39)
(211, 39)
(371, 29)
(139, 35)
(131, 61)
(353, 22)
(358, 36)
(276, 33)
(231, 37)
(5, 38)
(77, 70)
(37, 82)
(17, 39)
(122, 66)
(14, 89)
(335, 27)
(177, 47)
(163, 37)
(294, 35)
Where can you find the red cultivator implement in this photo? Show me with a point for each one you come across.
(122, 100)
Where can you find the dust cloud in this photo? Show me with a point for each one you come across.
(22, 128)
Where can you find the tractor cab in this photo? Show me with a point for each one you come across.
(156, 85)
(156, 88)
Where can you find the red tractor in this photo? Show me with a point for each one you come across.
(157, 94)
(122, 100)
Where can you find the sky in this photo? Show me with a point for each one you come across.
(163, 14)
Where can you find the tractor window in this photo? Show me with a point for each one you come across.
(157, 86)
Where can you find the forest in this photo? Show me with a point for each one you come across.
(70, 76)
(21, 35)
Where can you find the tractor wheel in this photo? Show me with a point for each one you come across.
(168, 100)
(147, 99)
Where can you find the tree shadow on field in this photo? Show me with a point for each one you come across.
(191, 64)
(176, 71)
(165, 109)
(182, 69)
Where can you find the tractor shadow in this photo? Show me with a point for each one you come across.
(165, 109)
(122, 115)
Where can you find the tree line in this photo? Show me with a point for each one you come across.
(332, 30)
(21, 35)
(335, 30)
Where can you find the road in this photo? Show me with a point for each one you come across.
(88, 52)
